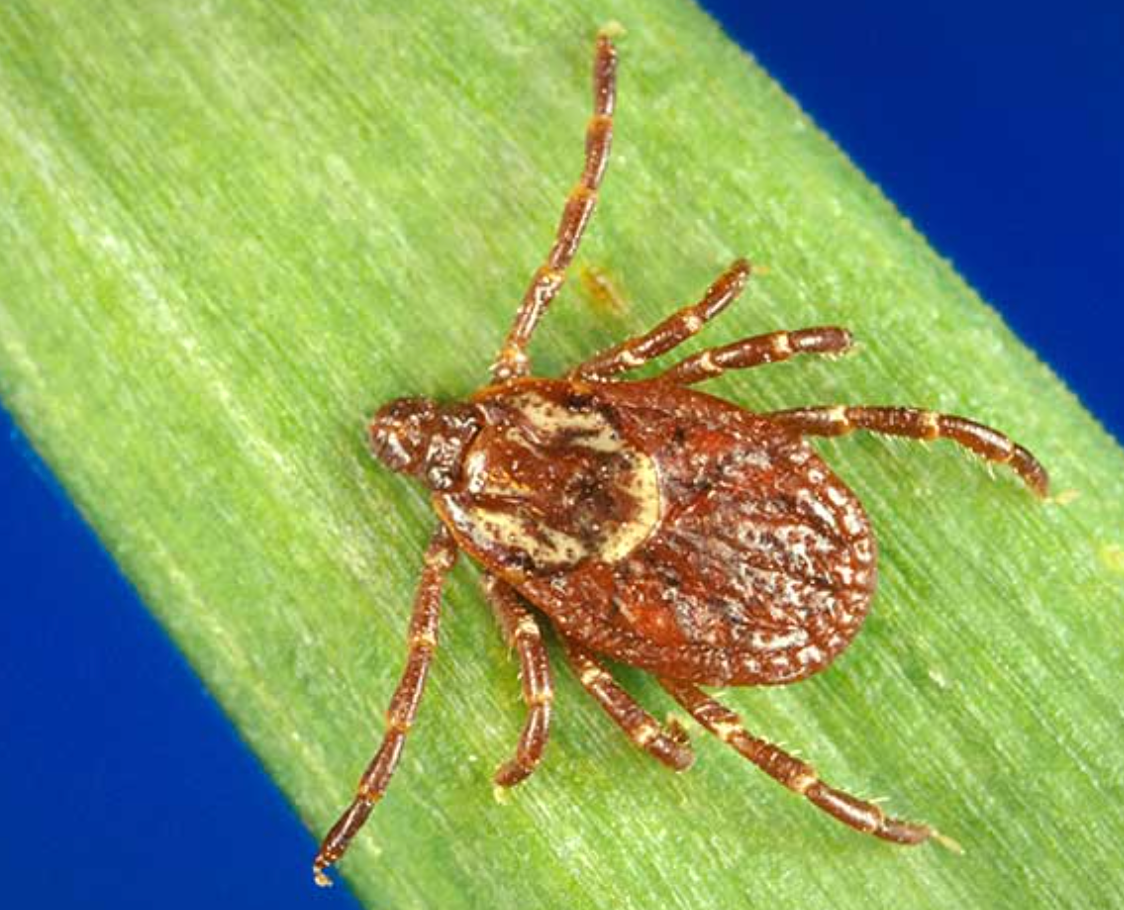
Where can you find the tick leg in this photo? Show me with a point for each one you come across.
(439, 559)
(673, 331)
(796, 775)
(758, 350)
(521, 632)
(919, 424)
(670, 746)
(512, 360)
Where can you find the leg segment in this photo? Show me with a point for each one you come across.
(669, 746)
(521, 632)
(439, 559)
(794, 774)
(918, 424)
(673, 331)
(758, 350)
(512, 360)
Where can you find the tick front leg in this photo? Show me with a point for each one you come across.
(796, 775)
(758, 350)
(439, 559)
(919, 424)
(673, 331)
(670, 746)
(521, 632)
(512, 360)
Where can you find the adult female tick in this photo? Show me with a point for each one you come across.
(649, 523)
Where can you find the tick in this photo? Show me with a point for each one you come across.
(648, 523)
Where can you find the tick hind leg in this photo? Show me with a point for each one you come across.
(439, 559)
(512, 360)
(914, 423)
(521, 632)
(796, 775)
(673, 331)
(669, 746)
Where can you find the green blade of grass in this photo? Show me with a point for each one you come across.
(231, 230)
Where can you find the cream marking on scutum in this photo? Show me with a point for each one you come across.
(553, 422)
(643, 487)
(589, 429)
(545, 545)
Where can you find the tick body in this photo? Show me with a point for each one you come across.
(648, 523)
(665, 528)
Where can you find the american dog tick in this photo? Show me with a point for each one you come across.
(649, 523)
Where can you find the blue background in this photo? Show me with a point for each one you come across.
(997, 128)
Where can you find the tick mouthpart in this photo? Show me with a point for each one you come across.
(419, 437)
(400, 432)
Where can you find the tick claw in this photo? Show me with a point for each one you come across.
(948, 843)
(319, 877)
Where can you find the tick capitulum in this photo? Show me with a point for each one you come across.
(424, 439)
(648, 523)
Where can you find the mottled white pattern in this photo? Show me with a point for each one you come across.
(509, 510)
(555, 424)
(512, 530)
